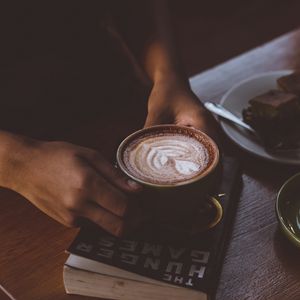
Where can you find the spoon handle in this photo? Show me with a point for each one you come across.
(226, 114)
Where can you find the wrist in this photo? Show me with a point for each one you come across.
(170, 79)
(15, 155)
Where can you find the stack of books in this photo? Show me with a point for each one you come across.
(104, 266)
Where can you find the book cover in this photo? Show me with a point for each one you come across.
(193, 263)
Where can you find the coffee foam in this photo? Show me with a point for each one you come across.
(166, 158)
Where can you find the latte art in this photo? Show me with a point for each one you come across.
(167, 158)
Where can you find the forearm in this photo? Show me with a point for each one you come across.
(149, 36)
(13, 149)
(161, 58)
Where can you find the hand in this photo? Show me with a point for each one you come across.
(68, 182)
(176, 103)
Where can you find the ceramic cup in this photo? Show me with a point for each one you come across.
(164, 199)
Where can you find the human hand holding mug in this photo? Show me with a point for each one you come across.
(70, 182)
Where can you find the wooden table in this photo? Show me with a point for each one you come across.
(259, 264)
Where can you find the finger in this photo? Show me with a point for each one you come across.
(157, 119)
(194, 118)
(150, 121)
(103, 218)
(109, 197)
(204, 123)
(112, 199)
(112, 174)
(198, 118)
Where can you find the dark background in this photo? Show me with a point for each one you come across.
(210, 32)
(54, 65)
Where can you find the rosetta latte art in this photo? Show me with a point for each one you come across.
(166, 159)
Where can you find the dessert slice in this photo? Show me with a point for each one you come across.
(275, 116)
(290, 83)
(275, 104)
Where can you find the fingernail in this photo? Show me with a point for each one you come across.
(134, 185)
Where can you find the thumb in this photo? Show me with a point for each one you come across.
(151, 120)
(161, 117)
(112, 174)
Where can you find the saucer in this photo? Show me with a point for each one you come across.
(236, 99)
(288, 209)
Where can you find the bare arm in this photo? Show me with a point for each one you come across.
(67, 182)
(149, 34)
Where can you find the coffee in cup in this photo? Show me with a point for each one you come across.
(175, 164)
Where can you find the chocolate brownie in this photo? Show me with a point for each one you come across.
(290, 83)
(275, 116)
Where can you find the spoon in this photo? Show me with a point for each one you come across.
(276, 147)
(221, 111)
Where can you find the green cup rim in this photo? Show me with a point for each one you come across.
(208, 171)
(280, 215)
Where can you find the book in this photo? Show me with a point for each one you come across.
(149, 266)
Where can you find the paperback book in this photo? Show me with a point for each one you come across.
(149, 266)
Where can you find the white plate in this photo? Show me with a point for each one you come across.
(236, 99)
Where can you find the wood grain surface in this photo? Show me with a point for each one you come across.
(259, 263)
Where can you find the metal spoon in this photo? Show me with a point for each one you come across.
(221, 111)
(280, 147)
